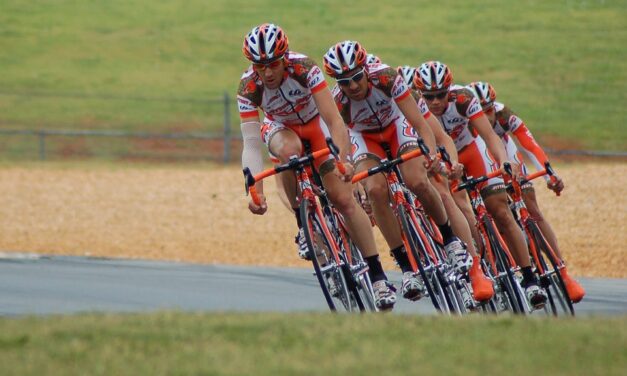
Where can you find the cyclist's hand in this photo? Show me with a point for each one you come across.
(436, 167)
(456, 171)
(516, 171)
(349, 171)
(258, 209)
(556, 184)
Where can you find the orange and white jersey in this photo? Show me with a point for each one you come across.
(378, 110)
(462, 107)
(507, 122)
(291, 103)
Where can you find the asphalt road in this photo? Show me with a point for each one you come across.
(41, 285)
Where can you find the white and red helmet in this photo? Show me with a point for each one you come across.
(484, 92)
(407, 73)
(343, 57)
(264, 43)
(433, 75)
(372, 59)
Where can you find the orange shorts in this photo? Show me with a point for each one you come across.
(314, 132)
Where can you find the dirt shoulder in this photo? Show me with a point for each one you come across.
(198, 214)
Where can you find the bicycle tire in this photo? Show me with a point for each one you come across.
(509, 284)
(319, 246)
(554, 282)
(344, 242)
(412, 237)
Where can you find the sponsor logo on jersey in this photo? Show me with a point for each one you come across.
(398, 89)
(294, 92)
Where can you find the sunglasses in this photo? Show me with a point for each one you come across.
(356, 77)
(262, 67)
(430, 97)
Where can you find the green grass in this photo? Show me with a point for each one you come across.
(308, 344)
(562, 65)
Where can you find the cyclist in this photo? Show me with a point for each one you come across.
(297, 105)
(460, 114)
(482, 288)
(378, 108)
(508, 125)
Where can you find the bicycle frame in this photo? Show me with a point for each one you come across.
(428, 261)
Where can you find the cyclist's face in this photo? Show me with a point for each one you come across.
(271, 73)
(490, 113)
(437, 100)
(354, 83)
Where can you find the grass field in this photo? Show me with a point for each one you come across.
(310, 344)
(561, 65)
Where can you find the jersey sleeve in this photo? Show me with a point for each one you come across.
(308, 74)
(391, 83)
(515, 125)
(467, 104)
(530, 147)
(422, 105)
(249, 96)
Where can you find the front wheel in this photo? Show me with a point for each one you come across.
(330, 275)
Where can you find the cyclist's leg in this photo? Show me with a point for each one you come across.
(283, 143)
(459, 223)
(461, 199)
(415, 177)
(529, 197)
(478, 162)
(368, 153)
(481, 285)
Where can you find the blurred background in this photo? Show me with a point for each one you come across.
(156, 80)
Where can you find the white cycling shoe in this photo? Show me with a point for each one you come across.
(384, 295)
(458, 256)
(412, 287)
(536, 296)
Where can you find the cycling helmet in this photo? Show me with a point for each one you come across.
(372, 59)
(433, 75)
(483, 91)
(343, 57)
(407, 73)
(265, 43)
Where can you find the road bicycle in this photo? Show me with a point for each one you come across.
(496, 259)
(445, 287)
(338, 265)
(540, 249)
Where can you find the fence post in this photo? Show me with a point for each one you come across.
(42, 145)
(227, 128)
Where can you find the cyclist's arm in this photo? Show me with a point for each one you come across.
(441, 138)
(530, 147)
(409, 108)
(331, 116)
(252, 146)
(481, 123)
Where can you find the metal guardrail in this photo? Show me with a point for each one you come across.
(42, 134)
(589, 153)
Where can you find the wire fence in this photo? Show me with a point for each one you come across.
(209, 140)
(202, 138)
